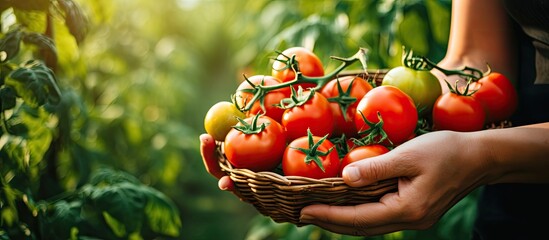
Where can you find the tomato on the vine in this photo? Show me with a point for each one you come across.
(458, 111)
(362, 152)
(386, 114)
(344, 94)
(421, 85)
(308, 63)
(497, 95)
(307, 110)
(220, 119)
(311, 156)
(267, 104)
(256, 143)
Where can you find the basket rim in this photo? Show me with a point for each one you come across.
(226, 166)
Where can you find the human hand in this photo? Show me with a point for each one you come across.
(210, 159)
(434, 172)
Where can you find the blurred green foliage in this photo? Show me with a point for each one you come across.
(137, 87)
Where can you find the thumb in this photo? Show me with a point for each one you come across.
(209, 156)
(375, 169)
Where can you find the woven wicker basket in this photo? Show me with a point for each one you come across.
(283, 197)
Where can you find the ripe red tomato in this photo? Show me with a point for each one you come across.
(497, 95)
(362, 152)
(244, 96)
(351, 87)
(309, 65)
(396, 109)
(260, 150)
(312, 157)
(457, 112)
(314, 114)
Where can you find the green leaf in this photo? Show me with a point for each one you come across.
(10, 45)
(35, 83)
(162, 215)
(69, 55)
(60, 219)
(42, 41)
(124, 202)
(116, 226)
(8, 213)
(7, 98)
(76, 21)
(27, 148)
(107, 176)
(5, 70)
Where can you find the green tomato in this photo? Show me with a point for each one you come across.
(422, 86)
(221, 118)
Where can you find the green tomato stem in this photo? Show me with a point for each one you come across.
(261, 90)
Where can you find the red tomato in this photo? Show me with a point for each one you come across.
(309, 65)
(260, 150)
(396, 109)
(458, 113)
(244, 96)
(314, 114)
(306, 157)
(344, 124)
(497, 95)
(360, 153)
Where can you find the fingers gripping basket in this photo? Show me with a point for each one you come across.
(283, 197)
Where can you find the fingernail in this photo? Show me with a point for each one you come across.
(222, 186)
(351, 174)
(304, 218)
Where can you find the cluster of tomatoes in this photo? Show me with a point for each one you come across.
(312, 127)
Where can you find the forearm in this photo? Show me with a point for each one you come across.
(481, 33)
(518, 155)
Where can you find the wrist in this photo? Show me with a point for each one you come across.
(512, 155)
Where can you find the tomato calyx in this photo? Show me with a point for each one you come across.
(297, 98)
(423, 126)
(341, 145)
(344, 98)
(290, 62)
(375, 133)
(252, 127)
(466, 91)
(259, 91)
(312, 154)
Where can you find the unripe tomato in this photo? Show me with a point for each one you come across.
(220, 118)
(422, 86)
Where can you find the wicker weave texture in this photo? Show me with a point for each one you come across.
(283, 197)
